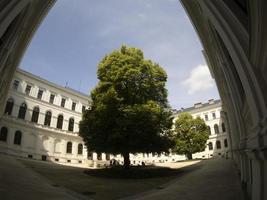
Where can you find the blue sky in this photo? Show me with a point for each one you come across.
(76, 35)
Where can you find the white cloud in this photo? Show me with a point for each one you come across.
(199, 80)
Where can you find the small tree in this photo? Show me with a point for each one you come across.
(129, 111)
(191, 135)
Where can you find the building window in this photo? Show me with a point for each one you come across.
(48, 116)
(28, 89)
(80, 149)
(60, 121)
(223, 127)
(17, 138)
(206, 117)
(3, 134)
(90, 155)
(71, 124)
(209, 131)
(63, 101)
(35, 114)
(9, 106)
(22, 111)
(225, 143)
(69, 147)
(107, 156)
(210, 146)
(99, 156)
(216, 129)
(83, 109)
(214, 115)
(218, 144)
(15, 85)
(52, 98)
(73, 107)
(40, 94)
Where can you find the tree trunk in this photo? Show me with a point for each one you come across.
(189, 156)
(126, 158)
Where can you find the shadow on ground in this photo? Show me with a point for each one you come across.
(110, 183)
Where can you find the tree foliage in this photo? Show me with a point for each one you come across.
(129, 111)
(190, 135)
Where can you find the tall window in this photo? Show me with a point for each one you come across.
(209, 131)
(48, 116)
(22, 111)
(214, 115)
(40, 94)
(71, 124)
(69, 147)
(83, 109)
(216, 128)
(60, 121)
(15, 85)
(107, 156)
(206, 117)
(73, 107)
(63, 101)
(218, 144)
(28, 89)
(80, 149)
(225, 143)
(223, 127)
(9, 106)
(210, 146)
(52, 98)
(99, 156)
(17, 138)
(35, 114)
(3, 134)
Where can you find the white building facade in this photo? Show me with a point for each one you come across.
(218, 142)
(41, 120)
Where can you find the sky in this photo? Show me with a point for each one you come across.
(76, 35)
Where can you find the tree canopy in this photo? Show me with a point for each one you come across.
(129, 112)
(190, 135)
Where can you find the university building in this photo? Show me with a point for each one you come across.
(41, 120)
(210, 112)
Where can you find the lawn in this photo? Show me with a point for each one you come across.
(107, 183)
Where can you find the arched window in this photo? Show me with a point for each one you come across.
(209, 131)
(48, 116)
(69, 147)
(60, 121)
(22, 111)
(225, 143)
(35, 114)
(17, 138)
(210, 146)
(223, 127)
(216, 128)
(218, 144)
(107, 156)
(9, 106)
(99, 156)
(71, 124)
(80, 149)
(3, 134)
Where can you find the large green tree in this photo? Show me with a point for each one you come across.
(129, 112)
(190, 135)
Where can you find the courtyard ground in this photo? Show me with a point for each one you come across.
(29, 179)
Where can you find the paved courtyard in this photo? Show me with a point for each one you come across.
(205, 180)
